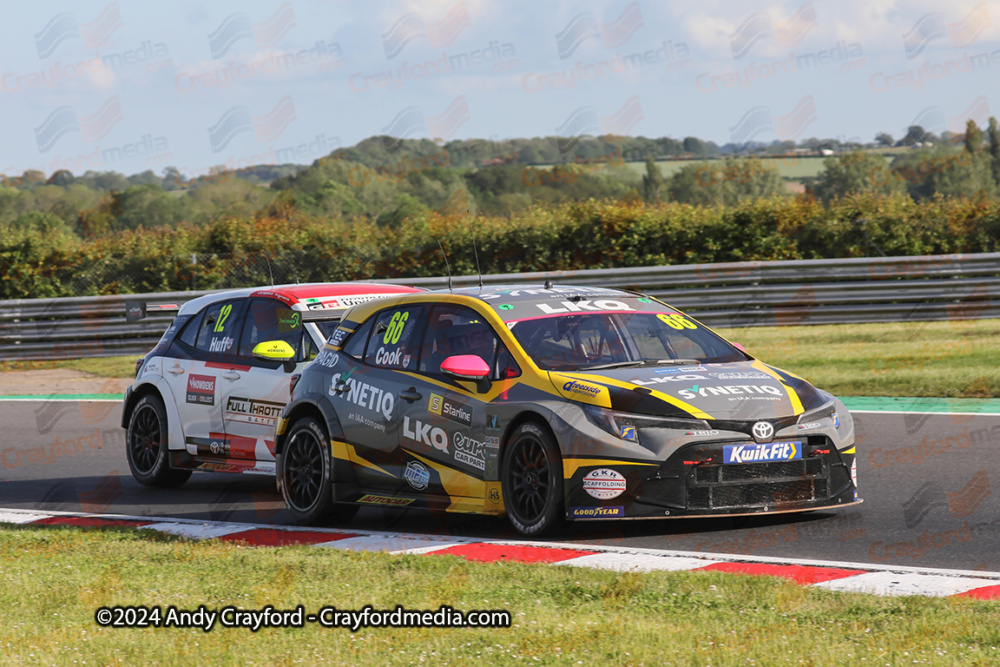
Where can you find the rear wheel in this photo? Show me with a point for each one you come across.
(306, 475)
(532, 480)
(146, 445)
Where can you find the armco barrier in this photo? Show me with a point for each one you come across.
(736, 294)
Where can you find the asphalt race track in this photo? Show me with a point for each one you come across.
(926, 481)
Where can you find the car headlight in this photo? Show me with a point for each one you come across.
(625, 425)
(823, 412)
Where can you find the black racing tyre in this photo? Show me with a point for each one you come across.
(146, 445)
(306, 471)
(532, 480)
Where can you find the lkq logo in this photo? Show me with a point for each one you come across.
(413, 25)
(584, 121)
(65, 26)
(428, 434)
(65, 120)
(238, 26)
(412, 121)
(586, 26)
(238, 120)
(932, 26)
(786, 34)
(583, 305)
(759, 120)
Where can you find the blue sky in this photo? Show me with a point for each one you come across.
(129, 85)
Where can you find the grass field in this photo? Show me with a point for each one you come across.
(53, 580)
(788, 167)
(952, 359)
(948, 359)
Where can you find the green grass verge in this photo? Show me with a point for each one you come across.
(956, 359)
(105, 367)
(53, 579)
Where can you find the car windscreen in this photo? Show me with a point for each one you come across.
(606, 340)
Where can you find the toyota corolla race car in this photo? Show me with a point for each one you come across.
(208, 396)
(551, 403)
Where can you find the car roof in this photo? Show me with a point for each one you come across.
(517, 302)
(307, 296)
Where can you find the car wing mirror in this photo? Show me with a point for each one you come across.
(275, 350)
(468, 367)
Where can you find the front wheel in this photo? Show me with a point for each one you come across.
(146, 445)
(532, 480)
(306, 475)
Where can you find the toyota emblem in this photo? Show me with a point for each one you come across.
(763, 432)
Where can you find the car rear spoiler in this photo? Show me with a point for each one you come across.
(136, 310)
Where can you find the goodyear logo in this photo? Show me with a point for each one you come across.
(628, 433)
(595, 512)
(771, 451)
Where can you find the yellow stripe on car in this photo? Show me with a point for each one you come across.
(467, 493)
(572, 464)
(792, 396)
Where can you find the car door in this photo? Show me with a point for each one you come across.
(198, 362)
(450, 413)
(370, 385)
(258, 390)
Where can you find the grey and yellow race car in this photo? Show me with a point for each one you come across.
(550, 403)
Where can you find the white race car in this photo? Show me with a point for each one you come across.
(208, 396)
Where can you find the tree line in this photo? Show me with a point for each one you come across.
(388, 181)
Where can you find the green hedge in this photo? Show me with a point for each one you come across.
(228, 252)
